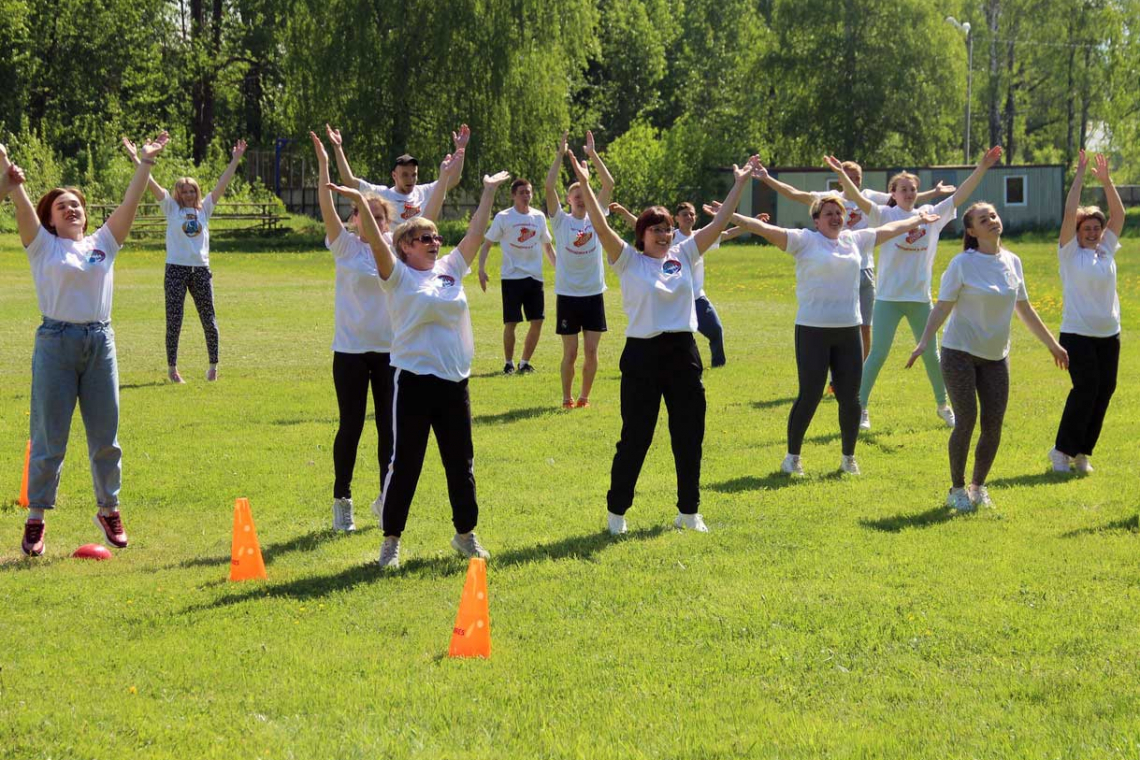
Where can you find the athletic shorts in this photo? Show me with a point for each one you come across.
(578, 313)
(866, 294)
(523, 296)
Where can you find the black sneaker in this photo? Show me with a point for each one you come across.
(509, 368)
(33, 543)
(526, 369)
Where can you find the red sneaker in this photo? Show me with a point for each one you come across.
(567, 404)
(112, 527)
(583, 403)
(33, 543)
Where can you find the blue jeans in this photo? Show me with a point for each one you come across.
(708, 325)
(73, 362)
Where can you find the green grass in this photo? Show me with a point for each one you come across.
(833, 617)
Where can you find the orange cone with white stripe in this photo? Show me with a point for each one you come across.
(246, 563)
(471, 636)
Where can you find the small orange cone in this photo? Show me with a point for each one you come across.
(471, 636)
(246, 564)
(23, 500)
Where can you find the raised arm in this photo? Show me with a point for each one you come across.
(553, 202)
(224, 180)
(5, 181)
(604, 175)
(460, 138)
(121, 219)
(612, 244)
(1032, 320)
(926, 196)
(731, 234)
(157, 190)
(967, 188)
(899, 226)
(26, 220)
(1115, 205)
(777, 236)
(342, 167)
(1073, 202)
(473, 240)
(706, 236)
(849, 190)
(333, 225)
(624, 214)
(938, 315)
(784, 189)
(369, 229)
(434, 206)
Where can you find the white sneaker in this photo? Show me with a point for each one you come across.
(849, 465)
(959, 500)
(979, 497)
(378, 508)
(865, 421)
(615, 524)
(947, 415)
(468, 545)
(1061, 461)
(692, 522)
(342, 515)
(390, 553)
(1081, 463)
(792, 466)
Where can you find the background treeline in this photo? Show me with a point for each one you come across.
(671, 88)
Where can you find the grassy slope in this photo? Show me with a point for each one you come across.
(825, 618)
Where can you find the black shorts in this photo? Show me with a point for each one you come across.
(520, 296)
(577, 313)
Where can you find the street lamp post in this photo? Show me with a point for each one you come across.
(964, 27)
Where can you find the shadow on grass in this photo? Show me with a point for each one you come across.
(898, 523)
(289, 422)
(756, 483)
(133, 386)
(1033, 479)
(1127, 525)
(772, 403)
(304, 543)
(514, 415)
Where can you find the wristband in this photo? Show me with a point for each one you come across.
(150, 161)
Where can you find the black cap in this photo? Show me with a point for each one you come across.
(406, 159)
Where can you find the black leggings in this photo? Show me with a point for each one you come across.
(972, 382)
(352, 374)
(819, 349)
(1093, 363)
(199, 281)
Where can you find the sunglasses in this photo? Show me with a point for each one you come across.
(661, 230)
(429, 237)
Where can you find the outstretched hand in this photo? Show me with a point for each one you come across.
(1082, 161)
(740, 173)
(759, 171)
(450, 160)
(590, 149)
(494, 180)
(617, 208)
(919, 350)
(563, 143)
(1100, 169)
(1060, 356)
(132, 151)
(834, 163)
(712, 208)
(152, 148)
(581, 170)
(929, 218)
(239, 149)
(992, 156)
(943, 188)
(14, 175)
(319, 147)
(461, 137)
(348, 192)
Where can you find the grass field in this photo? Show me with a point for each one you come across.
(829, 617)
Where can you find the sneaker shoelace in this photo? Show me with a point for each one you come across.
(114, 523)
(33, 532)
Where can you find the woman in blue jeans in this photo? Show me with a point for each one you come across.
(74, 356)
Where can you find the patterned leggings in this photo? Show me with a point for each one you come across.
(973, 382)
(199, 281)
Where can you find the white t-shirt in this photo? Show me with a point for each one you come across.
(984, 289)
(1088, 282)
(906, 261)
(827, 276)
(362, 320)
(187, 232)
(74, 279)
(699, 266)
(857, 220)
(408, 205)
(431, 323)
(578, 261)
(657, 294)
(520, 236)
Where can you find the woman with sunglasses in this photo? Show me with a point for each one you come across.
(432, 348)
(660, 359)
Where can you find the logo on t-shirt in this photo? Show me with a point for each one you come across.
(918, 233)
(444, 280)
(583, 237)
(854, 216)
(410, 210)
(191, 226)
(526, 233)
(1011, 279)
(671, 266)
(96, 256)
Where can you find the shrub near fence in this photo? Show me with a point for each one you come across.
(228, 218)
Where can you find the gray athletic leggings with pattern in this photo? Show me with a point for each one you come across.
(199, 281)
(972, 382)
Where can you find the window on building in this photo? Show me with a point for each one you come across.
(1015, 190)
(835, 186)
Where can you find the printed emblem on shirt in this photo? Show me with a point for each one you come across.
(444, 280)
(96, 257)
(583, 237)
(915, 235)
(854, 217)
(410, 210)
(526, 233)
(671, 266)
(191, 226)
(1011, 279)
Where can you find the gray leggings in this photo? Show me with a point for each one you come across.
(972, 382)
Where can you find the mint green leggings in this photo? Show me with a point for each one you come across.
(884, 324)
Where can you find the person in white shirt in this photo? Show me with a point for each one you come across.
(363, 338)
(829, 261)
(74, 357)
(432, 349)
(660, 359)
(406, 193)
(856, 220)
(523, 237)
(188, 257)
(981, 290)
(579, 279)
(1090, 321)
(905, 269)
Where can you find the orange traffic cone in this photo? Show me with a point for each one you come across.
(23, 500)
(471, 636)
(246, 563)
